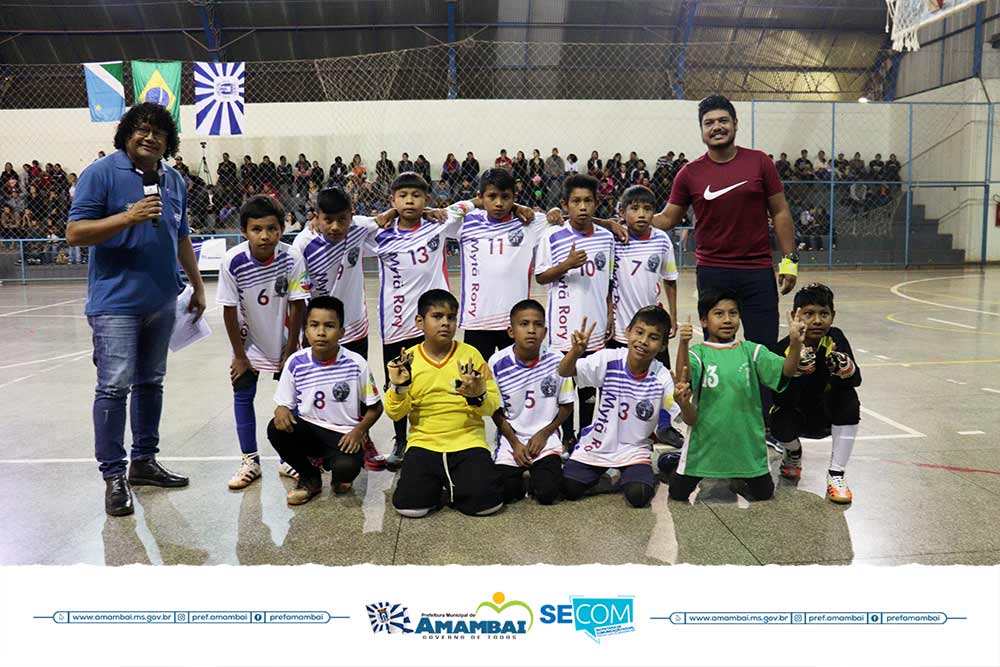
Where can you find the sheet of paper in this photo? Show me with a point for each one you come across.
(186, 329)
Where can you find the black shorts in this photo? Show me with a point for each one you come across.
(468, 480)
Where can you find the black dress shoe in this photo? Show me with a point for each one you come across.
(118, 496)
(147, 472)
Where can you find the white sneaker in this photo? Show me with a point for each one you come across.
(245, 476)
(285, 470)
(837, 490)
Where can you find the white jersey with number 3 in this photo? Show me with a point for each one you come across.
(530, 397)
(261, 291)
(628, 409)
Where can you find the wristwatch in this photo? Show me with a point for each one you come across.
(792, 257)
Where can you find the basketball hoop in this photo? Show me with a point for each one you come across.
(907, 17)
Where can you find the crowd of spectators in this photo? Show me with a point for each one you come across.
(36, 199)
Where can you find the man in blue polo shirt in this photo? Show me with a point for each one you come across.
(132, 287)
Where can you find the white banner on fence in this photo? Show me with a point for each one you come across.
(583, 615)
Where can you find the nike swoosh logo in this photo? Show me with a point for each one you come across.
(709, 195)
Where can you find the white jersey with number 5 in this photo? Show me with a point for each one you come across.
(331, 394)
(411, 262)
(496, 265)
(261, 291)
(581, 292)
(530, 397)
(628, 409)
(335, 269)
(640, 266)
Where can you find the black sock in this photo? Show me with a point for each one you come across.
(836, 473)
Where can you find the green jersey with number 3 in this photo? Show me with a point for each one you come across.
(727, 441)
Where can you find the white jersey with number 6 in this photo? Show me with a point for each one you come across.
(530, 397)
(261, 291)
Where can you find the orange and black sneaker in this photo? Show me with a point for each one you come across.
(791, 465)
(837, 490)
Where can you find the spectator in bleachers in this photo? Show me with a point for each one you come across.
(536, 166)
(665, 160)
(470, 167)
(803, 165)
(594, 164)
(317, 174)
(312, 196)
(267, 172)
(285, 176)
(680, 162)
(423, 167)
(571, 165)
(612, 165)
(662, 180)
(856, 167)
(180, 167)
(34, 201)
(640, 173)
(840, 165)
(876, 167)
(784, 167)
(72, 185)
(56, 207)
(59, 181)
(822, 172)
(26, 177)
(441, 193)
(338, 172)
(385, 170)
(621, 178)
(892, 168)
(519, 169)
(504, 162)
(521, 194)
(303, 174)
(228, 180)
(633, 160)
(450, 170)
(248, 174)
(466, 191)
(405, 164)
(10, 222)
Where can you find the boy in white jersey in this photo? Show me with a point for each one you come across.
(644, 267)
(327, 402)
(497, 240)
(575, 260)
(333, 250)
(534, 401)
(411, 262)
(635, 389)
(261, 282)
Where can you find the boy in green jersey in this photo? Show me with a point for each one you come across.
(717, 389)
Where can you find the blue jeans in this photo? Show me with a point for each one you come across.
(130, 352)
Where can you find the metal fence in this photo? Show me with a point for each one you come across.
(929, 205)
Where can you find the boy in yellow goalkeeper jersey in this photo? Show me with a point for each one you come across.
(446, 389)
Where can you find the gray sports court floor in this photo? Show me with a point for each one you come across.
(925, 471)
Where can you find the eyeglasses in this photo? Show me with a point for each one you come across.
(159, 135)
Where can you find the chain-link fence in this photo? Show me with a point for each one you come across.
(920, 173)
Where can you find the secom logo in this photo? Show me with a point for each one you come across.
(597, 617)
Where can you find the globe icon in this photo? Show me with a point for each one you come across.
(157, 96)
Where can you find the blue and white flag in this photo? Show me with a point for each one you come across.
(218, 98)
(105, 92)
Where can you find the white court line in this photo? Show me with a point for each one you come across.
(35, 317)
(906, 429)
(882, 357)
(42, 361)
(955, 381)
(44, 370)
(992, 391)
(954, 324)
(895, 290)
(971, 432)
(662, 544)
(16, 381)
(51, 305)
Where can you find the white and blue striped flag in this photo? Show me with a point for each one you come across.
(218, 98)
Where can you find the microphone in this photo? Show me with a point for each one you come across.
(151, 186)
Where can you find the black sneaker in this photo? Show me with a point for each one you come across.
(670, 436)
(394, 461)
(667, 463)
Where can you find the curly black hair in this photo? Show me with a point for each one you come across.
(155, 115)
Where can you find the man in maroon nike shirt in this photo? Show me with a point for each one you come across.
(734, 190)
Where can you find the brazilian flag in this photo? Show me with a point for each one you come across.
(159, 83)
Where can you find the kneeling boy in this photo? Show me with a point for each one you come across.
(822, 400)
(635, 389)
(327, 402)
(446, 390)
(534, 402)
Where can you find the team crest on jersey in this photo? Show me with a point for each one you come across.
(516, 237)
(352, 256)
(653, 263)
(281, 285)
(644, 410)
(600, 261)
(550, 386)
(434, 243)
(341, 391)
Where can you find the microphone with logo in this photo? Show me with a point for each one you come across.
(150, 187)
